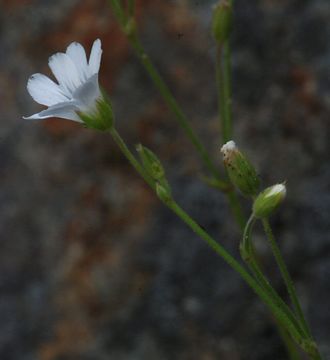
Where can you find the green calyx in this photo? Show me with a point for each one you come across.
(164, 193)
(151, 162)
(102, 118)
(155, 170)
(222, 21)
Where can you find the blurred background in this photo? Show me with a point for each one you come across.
(91, 265)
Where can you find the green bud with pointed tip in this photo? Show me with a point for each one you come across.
(101, 118)
(240, 171)
(130, 27)
(151, 162)
(222, 21)
(153, 166)
(269, 200)
(164, 193)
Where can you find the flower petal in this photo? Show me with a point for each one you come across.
(87, 94)
(95, 57)
(44, 91)
(65, 72)
(78, 56)
(66, 110)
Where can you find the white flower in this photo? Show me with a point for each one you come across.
(77, 88)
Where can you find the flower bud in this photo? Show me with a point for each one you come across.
(222, 21)
(240, 171)
(130, 27)
(101, 118)
(164, 193)
(151, 162)
(269, 200)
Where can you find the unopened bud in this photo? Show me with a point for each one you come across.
(222, 21)
(151, 162)
(164, 193)
(269, 200)
(240, 171)
(130, 27)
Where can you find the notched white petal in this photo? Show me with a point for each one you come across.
(44, 91)
(78, 56)
(95, 57)
(65, 72)
(77, 88)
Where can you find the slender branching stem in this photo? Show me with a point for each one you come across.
(285, 274)
(130, 7)
(236, 209)
(174, 106)
(220, 92)
(119, 11)
(278, 313)
(180, 116)
(131, 158)
(290, 345)
(227, 89)
(249, 256)
(296, 324)
(314, 353)
(223, 76)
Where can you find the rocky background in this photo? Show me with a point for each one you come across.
(92, 267)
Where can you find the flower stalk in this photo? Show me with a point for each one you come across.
(175, 108)
(285, 275)
(77, 96)
(221, 28)
(277, 311)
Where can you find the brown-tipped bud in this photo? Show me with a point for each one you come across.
(269, 200)
(240, 171)
(222, 21)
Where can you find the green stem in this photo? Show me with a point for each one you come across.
(131, 158)
(249, 256)
(182, 120)
(119, 11)
(311, 347)
(286, 276)
(227, 89)
(173, 105)
(130, 7)
(278, 312)
(223, 76)
(290, 345)
(221, 92)
(236, 208)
